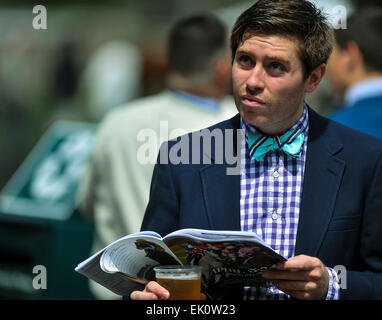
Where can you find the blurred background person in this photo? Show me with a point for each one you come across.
(355, 71)
(111, 77)
(115, 188)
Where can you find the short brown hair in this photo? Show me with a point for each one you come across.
(291, 18)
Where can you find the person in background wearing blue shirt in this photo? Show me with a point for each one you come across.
(355, 71)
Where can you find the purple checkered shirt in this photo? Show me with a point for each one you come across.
(270, 195)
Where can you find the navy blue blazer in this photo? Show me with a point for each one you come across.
(365, 115)
(340, 219)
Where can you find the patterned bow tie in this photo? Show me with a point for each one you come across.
(290, 142)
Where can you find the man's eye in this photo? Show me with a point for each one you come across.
(244, 60)
(277, 66)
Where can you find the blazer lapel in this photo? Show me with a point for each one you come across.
(322, 178)
(221, 191)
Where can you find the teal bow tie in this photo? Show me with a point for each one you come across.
(290, 142)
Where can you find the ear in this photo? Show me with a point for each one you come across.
(315, 78)
(222, 76)
(354, 54)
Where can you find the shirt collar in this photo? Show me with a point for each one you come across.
(203, 102)
(364, 89)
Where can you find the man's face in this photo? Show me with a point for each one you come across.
(268, 83)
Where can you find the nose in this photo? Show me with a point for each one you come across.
(255, 81)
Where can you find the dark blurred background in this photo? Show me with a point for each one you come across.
(50, 104)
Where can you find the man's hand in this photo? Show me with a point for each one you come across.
(152, 291)
(302, 277)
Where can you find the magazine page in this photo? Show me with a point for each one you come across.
(145, 233)
(215, 235)
(91, 269)
(112, 278)
(96, 256)
(226, 260)
(136, 256)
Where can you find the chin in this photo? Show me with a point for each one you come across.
(253, 119)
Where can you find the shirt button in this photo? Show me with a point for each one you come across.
(276, 174)
(274, 216)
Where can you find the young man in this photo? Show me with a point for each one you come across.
(311, 188)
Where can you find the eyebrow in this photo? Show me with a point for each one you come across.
(281, 59)
(278, 58)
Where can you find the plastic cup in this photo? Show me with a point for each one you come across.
(183, 282)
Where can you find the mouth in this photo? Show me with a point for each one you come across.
(252, 101)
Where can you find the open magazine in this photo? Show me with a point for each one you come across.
(227, 258)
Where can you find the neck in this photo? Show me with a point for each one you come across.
(363, 75)
(278, 129)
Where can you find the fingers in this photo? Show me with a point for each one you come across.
(311, 275)
(285, 285)
(306, 290)
(152, 291)
(299, 289)
(299, 263)
(141, 295)
(302, 277)
(297, 268)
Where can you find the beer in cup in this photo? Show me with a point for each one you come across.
(183, 282)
